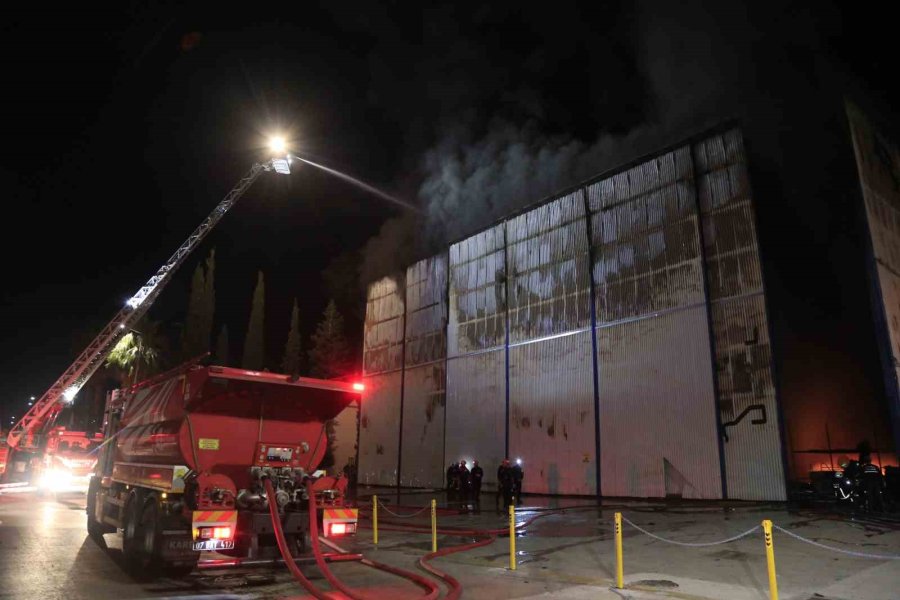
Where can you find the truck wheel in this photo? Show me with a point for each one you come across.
(151, 528)
(132, 536)
(95, 528)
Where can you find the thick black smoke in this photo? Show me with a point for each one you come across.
(513, 132)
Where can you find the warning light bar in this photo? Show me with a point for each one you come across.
(359, 387)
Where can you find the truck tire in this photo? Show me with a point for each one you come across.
(131, 535)
(95, 528)
(149, 562)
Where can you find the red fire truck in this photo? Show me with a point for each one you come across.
(200, 458)
(68, 461)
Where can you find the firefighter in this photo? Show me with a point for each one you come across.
(465, 482)
(504, 485)
(476, 476)
(452, 481)
(349, 471)
(517, 475)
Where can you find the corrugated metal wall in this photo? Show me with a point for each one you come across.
(747, 404)
(476, 355)
(878, 164)
(658, 427)
(551, 419)
(379, 431)
(679, 316)
(422, 462)
(658, 432)
(345, 436)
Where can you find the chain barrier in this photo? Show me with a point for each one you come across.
(839, 550)
(406, 516)
(691, 544)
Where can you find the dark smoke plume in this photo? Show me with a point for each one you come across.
(697, 67)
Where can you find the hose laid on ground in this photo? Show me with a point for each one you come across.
(489, 536)
(423, 582)
(283, 547)
(432, 588)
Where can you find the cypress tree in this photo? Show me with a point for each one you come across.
(222, 346)
(254, 343)
(329, 354)
(291, 362)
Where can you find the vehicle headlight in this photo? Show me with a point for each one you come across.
(55, 479)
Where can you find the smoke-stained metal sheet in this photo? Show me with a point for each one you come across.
(345, 436)
(658, 427)
(646, 239)
(551, 425)
(752, 451)
(426, 311)
(383, 335)
(878, 164)
(477, 295)
(424, 394)
(424, 398)
(476, 411)
(747, 402)
(547, 262)
(379, 429)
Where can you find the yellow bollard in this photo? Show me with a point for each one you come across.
(375, 520)
(770, 560)
(512, 537)
(620, 571)
(433, 525)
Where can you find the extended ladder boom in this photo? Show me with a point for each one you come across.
(45, 409)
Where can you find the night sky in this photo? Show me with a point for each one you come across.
(124, 127)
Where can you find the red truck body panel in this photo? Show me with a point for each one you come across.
(213, 420)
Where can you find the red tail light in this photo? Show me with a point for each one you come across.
(222, 533)
(338, 528)
(359, 387)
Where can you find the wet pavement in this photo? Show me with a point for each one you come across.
(45, 553)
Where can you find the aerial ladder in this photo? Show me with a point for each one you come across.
(26, 436)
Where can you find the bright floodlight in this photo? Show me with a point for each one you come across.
(277, 145)
(281, 165)
(70, 392)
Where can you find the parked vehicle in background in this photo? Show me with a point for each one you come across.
(68, 461)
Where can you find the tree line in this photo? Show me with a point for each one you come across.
(147, 350)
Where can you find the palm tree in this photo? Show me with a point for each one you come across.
(139, 353)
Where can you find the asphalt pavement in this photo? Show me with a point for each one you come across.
(45, 553)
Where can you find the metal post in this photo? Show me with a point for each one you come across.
(770, 560)
(595, 356)
(375, 520)
(512, 537)
(433, 525)
(620, 577)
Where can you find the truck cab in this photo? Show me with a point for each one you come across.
(68, 461)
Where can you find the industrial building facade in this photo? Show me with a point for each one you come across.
(614, 338)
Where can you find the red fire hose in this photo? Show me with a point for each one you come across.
(423, 582)
(283, 547)
(490, 535)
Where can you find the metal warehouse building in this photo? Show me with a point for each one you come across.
(615, 338)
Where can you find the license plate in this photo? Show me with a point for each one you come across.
(214, 545)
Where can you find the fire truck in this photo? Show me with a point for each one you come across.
(4, 452)
(68, 461)
(208, 458)
(27, 439)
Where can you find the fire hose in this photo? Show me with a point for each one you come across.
(423, 582)
(488, 535)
